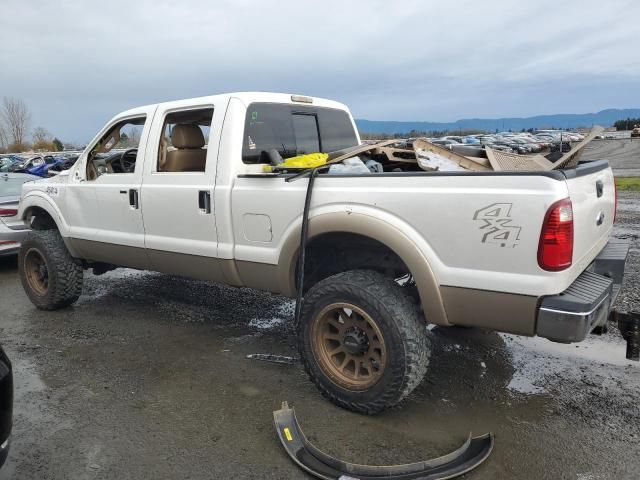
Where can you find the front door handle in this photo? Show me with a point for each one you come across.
(133, 198)
(204, 201)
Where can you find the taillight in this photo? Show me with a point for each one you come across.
(8, 212)
(555, 250)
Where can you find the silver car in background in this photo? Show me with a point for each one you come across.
(12, 229)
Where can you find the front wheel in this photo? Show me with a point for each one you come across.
(362, 341)
(50, 276)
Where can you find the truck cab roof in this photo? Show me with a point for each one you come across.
(246, 98)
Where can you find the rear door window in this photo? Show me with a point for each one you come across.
(294, 130)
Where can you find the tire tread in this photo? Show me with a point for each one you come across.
(386, 295)
(65, 272)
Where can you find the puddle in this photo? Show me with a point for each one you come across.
(283, 314)
(537, 360)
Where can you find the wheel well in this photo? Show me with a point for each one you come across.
(332, 253)
(39, 219)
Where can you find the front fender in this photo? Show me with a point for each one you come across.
(391, 232)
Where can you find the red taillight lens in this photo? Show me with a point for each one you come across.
(555, 251)
(8, 212)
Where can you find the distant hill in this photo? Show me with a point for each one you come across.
(562, 120)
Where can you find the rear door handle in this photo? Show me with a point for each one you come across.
(204, 201)
(133, 198)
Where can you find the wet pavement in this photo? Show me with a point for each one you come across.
(146, 378)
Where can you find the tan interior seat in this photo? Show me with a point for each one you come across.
(189, 155)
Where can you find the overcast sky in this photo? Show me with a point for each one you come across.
(77, 63)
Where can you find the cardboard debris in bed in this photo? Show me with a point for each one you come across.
(430, 157)
(501, 161)
(572, 157)
(423, 147)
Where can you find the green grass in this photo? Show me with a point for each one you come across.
(628, 183)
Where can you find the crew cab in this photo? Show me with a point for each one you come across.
(185, 188)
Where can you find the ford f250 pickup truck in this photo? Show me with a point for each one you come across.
(181, 187)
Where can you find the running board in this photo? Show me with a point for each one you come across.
(471, 454)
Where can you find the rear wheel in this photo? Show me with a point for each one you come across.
(51, 277)
(362, 340)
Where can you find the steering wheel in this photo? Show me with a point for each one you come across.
(127, 166)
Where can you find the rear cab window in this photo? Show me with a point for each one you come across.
(294, 130)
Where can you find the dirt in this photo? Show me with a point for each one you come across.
(146, 377)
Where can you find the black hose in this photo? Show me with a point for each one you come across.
(304, 233)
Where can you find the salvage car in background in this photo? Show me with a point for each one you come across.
(12, 228)
(6, 163)
(6, 405)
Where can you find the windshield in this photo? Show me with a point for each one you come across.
(123, 135)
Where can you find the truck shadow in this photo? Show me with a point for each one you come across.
(468, 366)
(465, 363)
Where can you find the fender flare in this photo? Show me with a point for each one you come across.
(314, 461)
(36, 199)
(359, 223)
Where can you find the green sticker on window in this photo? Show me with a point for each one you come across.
(254, 115)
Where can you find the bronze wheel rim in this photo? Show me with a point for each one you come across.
(349, 346)
(36, 271)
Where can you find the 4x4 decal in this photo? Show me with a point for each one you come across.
(497, 225)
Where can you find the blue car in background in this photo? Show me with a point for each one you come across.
(42, 169)
(42, 166)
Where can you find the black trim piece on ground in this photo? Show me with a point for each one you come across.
(312, 460)
(6, 405)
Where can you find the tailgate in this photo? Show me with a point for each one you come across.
(592, 192)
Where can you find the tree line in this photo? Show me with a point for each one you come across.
(15, 130)
(627, 124)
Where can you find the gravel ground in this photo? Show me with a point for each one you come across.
(623, 154)
(146, 378)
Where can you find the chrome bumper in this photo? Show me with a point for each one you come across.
(571, 315)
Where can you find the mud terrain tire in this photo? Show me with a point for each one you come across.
(51, 277)
(386, 319)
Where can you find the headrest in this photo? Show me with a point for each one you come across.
(187, 135)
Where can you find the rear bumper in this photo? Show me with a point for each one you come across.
(571, 315)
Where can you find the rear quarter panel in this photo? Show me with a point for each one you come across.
(477, 231)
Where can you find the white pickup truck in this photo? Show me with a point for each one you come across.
(180, 187)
